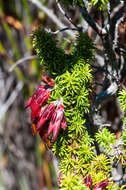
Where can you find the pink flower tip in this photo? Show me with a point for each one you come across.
(57, 120)
(46, 114)
(101, 185)
(42, 98)
(88, 181)
(64, 123)
(59, 178)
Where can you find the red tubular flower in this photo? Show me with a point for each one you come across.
(88, 181)
(56, 121)
(41, 110)
(38, 99)
(41, 114)
(34, 110)
(102, 185)
(38, 102)
(46, 114)
(48, 80)
(43, 97)
(37, 93)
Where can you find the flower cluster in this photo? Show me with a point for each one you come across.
(102, 185)
(46, 119)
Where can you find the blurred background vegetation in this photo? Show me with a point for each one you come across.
(25, 162)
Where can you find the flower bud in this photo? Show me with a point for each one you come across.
(34, 110)
(37, 93)
(38, 99)
(46, 114)
(56, 120)
(43, 97)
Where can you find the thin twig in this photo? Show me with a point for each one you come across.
(102, 96)
(64, 29)
(116, 34)
(113, 14)
(102, 19)
(109, 13)
(52, 16)
(20, 61)
(68, 18)
(116, 10)
(91, 22)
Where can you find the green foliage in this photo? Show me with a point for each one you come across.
(76, 126)
(98, 168)
(101, 4)
(113, 186)
(73, 85)
(54, 58)
(84, 47)
(104, 137)
(122, 100)
(124, 137)
(102, 162)
(72, 182)
(73, 80)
